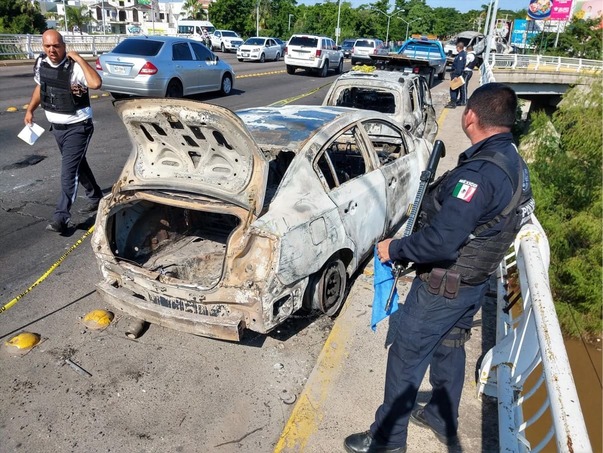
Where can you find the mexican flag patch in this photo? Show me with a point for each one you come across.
(464, 190)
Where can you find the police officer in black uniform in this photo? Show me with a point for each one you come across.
(470, 64)
(63, 79)
(469, 219)
(458, 67)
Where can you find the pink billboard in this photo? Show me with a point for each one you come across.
(561, 10)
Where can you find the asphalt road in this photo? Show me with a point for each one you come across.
(166, 391)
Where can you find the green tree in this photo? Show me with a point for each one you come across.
(566, 158)
(193, 9)
(21, 16)
(76, 17)
(581, 39)
(237, 15)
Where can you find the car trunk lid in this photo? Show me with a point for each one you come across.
(187, 146)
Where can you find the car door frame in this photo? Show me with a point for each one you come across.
(188, 70)
(361, 201)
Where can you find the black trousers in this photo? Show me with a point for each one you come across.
(465, 88)
(73, 143)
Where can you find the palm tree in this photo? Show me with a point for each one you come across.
(78, 17)
(194, 9)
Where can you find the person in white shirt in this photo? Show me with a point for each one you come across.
(63, 79)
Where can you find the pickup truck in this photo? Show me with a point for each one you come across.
(426, 57)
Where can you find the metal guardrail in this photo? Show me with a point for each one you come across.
(545, 63)
(530, 356)
(28, 46)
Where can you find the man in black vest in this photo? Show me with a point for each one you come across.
(63, 79)
(469, 218)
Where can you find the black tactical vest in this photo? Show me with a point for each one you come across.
(480, 255)
(55, 89)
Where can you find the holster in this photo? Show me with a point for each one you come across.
(442, 282)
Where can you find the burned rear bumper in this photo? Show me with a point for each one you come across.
(229, 327)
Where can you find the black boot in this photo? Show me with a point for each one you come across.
(364, 443)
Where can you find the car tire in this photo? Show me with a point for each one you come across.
(290, 69)
(174, 89)
(442, 74)
(240, 59)
(430, 78)
(222, 48)
(322, 72)
(354, 62)
(262, 58)
(339, 69)
(278, 56)
(327, 288)
(226, 85)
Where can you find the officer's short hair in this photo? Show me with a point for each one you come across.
(494, 104)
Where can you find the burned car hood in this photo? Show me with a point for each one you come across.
(180, 145)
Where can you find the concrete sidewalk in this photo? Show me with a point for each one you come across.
(346, 385)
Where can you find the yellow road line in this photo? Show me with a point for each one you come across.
(308, 412)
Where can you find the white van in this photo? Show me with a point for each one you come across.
(193, 29)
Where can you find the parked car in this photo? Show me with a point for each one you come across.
(281, 43)
(313, 53)
(222, 222)
(225, 40)
(161, 66)
(405, 98)
(259, 49)
(429, 51)
(364, 48)
(347, 46)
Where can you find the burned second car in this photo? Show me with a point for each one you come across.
(224, 221)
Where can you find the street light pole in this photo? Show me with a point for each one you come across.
(389, 16)
(408, 25)
(65, 14)
(257, 18)
(338, 30)
(290, 16)
(103, 15)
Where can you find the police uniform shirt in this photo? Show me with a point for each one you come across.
(470, 196)
(77, 78)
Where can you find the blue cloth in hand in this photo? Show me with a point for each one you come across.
(383, 280)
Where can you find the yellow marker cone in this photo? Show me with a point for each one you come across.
(22, 342)
(98, 319)
(11, 109)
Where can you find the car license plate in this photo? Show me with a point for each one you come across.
(245, 54)
(121, 70)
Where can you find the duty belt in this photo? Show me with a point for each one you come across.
(62, 127)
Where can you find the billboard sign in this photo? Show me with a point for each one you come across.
(562, 10)
(524, 33)
(540, 9)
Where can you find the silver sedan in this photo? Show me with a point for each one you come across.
(163, 66)
(259, 49)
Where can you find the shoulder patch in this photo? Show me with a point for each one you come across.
(464, 190)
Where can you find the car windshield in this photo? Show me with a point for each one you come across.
(364, 43)
(230, 34)
(348, 44)
(143, 47)
(304, 41)
(367, 99)
(255, 42)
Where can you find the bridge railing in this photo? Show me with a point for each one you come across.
(529, 357)
(544, 63)
(28, 46)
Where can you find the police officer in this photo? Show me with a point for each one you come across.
(470, 63)
(469, 218)
(458, 66)
(63, 79)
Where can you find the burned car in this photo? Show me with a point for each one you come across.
(406, 98)
(224, 221)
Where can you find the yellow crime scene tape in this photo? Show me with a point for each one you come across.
(56, 264)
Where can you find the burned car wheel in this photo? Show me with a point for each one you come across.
(326, 288)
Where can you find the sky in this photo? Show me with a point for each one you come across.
(461, 5)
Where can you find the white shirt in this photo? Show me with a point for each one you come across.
(77, 78)
(470, 58)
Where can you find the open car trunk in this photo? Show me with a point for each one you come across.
(183, 244)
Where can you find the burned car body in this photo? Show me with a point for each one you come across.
(222, 222)
(406, 98)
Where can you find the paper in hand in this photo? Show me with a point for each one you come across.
(30, 133)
